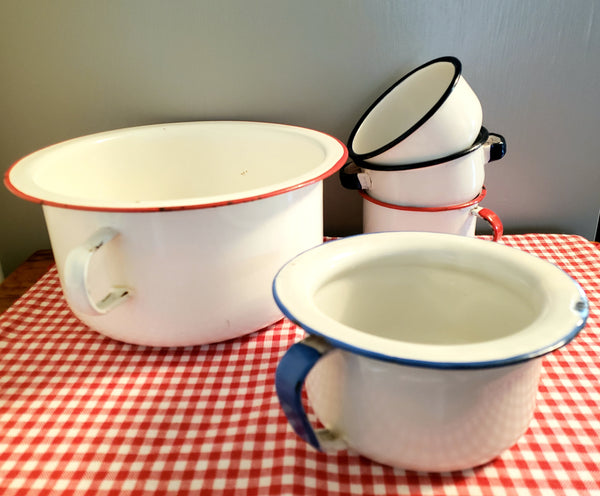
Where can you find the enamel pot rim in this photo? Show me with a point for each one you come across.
(20, 178)
(481, 139)
(408, 208)
(424, 118)
(563, 315)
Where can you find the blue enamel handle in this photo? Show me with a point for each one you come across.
(290, 375)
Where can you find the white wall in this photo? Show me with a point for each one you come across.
(72, 67)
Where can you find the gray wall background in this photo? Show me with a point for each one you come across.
(74, 67)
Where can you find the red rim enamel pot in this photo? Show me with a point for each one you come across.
(170, 234)
(424, 349)
(449, 180)
(453, 219)
(431, 112)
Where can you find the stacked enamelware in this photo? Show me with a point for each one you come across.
(418, 155)
(182, 234)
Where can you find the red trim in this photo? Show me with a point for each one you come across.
(470, 203)
(338, 165)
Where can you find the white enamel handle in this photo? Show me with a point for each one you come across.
(76, 274)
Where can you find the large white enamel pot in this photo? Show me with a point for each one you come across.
(171, 234)
(424, 349)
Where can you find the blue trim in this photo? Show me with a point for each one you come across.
(583, 311)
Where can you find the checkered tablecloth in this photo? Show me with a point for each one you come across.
(81, 414)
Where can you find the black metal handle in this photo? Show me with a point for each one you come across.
(349, 176)
(497, 146)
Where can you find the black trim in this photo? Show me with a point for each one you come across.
(482, 137)
(458, 70)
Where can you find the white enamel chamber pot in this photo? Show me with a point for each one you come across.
(431, 112)
(452, 219)
(171, 234)
(424, 349)
(441, 182)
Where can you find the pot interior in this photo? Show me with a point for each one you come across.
(405, 299)
(431, 299)
(403, 106)
(174, 165)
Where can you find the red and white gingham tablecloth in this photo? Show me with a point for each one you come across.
(82, 414)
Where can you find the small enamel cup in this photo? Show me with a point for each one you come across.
(431, 112)
(454, 219)
(403, 363)
(450, 180)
